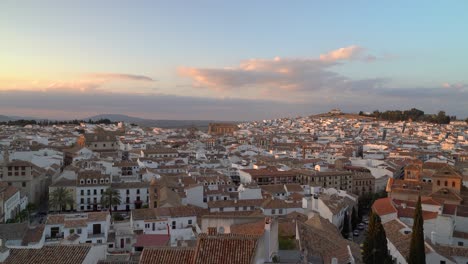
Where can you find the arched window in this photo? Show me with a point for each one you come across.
(453, 184)
(438, 182)
(446, 183)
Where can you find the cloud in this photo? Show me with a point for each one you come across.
(69, 105)
(90, 82)
(457, 86)
(346, 53)
(280, 75)
(118, 76)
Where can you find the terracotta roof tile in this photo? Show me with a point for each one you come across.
(383, 206)
(229, 248)
(167, 255)
(63, 254)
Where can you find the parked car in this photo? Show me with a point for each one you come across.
(361, 226)
(356, 233)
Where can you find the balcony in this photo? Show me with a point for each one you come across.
(99, 235)
(56, 237)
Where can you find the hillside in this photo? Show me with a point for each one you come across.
(201, 124)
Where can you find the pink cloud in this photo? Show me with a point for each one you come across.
(95, 82)
(456, 86)
(118, 76)
(283, 75)
(345, 53)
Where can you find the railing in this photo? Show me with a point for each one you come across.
(100, 235)
(54, 238)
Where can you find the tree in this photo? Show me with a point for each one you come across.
(60, 198)
(417, 254)
(375, 244)
(345, 230)
(354, 219)
(110, 198)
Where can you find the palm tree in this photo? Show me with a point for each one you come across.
(109, 198)
(60, 198)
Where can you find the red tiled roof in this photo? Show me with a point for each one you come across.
(409, 213)
(229, 248)
(167, 255)
(151, 240)
(449, 209)
(383, 206)
(62, 254)
(255, 228)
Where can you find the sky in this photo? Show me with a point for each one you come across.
(231, 60)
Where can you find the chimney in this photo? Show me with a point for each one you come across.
(212, 231)
(5, 253)
(6, 155)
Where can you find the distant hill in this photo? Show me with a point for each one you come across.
(201, 124)
(4, 118)
(343, 115)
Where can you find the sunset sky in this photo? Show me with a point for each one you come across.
(231, 60)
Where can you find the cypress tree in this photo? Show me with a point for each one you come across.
(354, 219)
(345, 230)
(417, 254)
(375, 245)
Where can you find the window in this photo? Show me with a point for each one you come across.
(88, 181)
(173, 224)
(280, 211)
(94, 181)
(190, 221)
(138, 191)
(111, 245)
(81, 181)
(147, 225)
(99, 241)
(442, 262)
(89, 192)
(128, 191)
(460, 243)
(55, 232)
(453, 184)
(102, 191)
(82, 201)
(82, 192)
(273, 211)
(23, 184)
(95, 191)
(438, 182)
